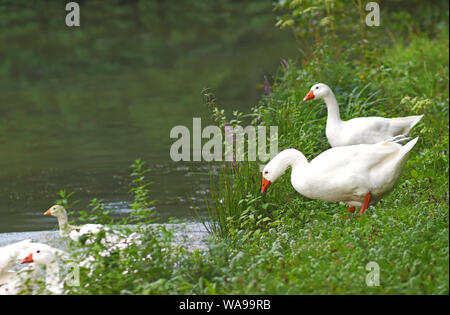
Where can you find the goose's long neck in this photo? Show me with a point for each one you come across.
(63, 223)
(333, 109)
(297, 169)
(293, 158)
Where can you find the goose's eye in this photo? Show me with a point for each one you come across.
(317, 87)
(38, 251)
(266, 172)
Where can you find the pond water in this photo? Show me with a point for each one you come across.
(77, 106)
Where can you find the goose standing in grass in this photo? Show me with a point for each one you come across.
(363, 130)
(358, 175)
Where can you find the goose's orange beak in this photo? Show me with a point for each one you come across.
(28, 259)
(310, 96)
(265, 184)
(48, 212)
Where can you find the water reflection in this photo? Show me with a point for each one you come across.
(78, 106)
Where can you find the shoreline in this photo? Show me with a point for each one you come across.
(192, 235)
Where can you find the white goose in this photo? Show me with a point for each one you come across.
(47, 256)
(9, 255)
(113, 240)
(358, 175)
(363, 130)
(70, 231)
(12, 282)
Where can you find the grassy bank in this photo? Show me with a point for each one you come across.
(285, 244)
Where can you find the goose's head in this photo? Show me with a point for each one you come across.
(56, 211)
(279, 164)
(42, 255)
(318, 91)
(272, 171)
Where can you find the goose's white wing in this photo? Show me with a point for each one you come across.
(370, 130)
(355, 157)
(344, 173)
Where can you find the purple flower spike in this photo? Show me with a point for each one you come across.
(285, 62)
(267, 87)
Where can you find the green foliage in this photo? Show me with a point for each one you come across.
(139, 267)
(142, 206)
(142, 269)
(281, 242)
(64, 199)
(341, 23)
(96, 214)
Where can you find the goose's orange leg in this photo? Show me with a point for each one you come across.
(366, 203)
(351, 209)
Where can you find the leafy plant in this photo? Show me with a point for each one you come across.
(142, 206)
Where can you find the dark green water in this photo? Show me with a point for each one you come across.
(77, 106)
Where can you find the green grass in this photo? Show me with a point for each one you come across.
(283, 243)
